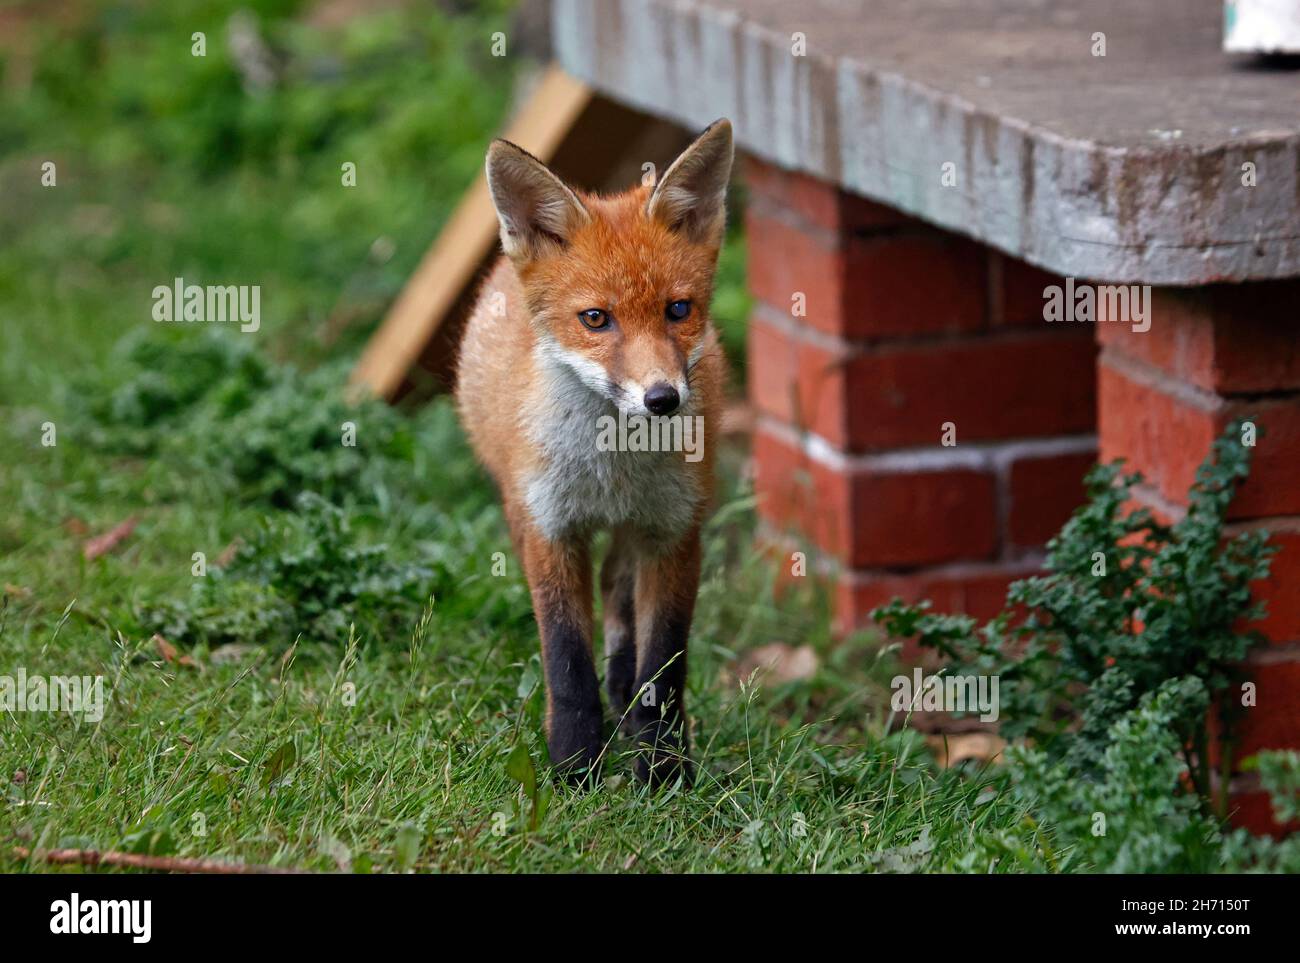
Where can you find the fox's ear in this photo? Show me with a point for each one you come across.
(533, 205)
(692, 194)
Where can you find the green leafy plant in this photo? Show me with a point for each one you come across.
(1130, 605)
(306, 577)
(1133, 816)
(211, 404)
(1279, 776)
(1114, 670)
(520, 768)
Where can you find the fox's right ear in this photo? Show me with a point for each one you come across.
(692, 196)
(533, 205)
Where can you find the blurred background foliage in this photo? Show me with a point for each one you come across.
(227, 168)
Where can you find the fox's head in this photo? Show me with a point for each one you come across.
(618, 288)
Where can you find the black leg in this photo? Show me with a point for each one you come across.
(560, 579)
(575, 726)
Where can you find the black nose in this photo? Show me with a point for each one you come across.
(662, 399)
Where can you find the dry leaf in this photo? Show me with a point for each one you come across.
(103, 544)
(229, 552)
(778, 663)
(17, 591)
(170, 653)
(959, 746)
(165, 648)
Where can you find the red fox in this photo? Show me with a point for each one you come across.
(599, 310)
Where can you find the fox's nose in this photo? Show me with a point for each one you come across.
(661, 399)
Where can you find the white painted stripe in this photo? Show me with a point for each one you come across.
(979, 456)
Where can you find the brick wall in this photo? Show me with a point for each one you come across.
(1212, 355)
(872, 332)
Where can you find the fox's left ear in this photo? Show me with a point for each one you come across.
(536, 211)
(691, 196)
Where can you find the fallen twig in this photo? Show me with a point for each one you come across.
(103, 544)
(165, 864)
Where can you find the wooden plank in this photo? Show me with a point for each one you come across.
(469, 237)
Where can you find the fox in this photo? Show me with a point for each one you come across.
(599, 307)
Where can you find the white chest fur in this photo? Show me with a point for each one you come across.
(580, 486)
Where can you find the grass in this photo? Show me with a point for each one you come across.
(403, 731)
(364, 685)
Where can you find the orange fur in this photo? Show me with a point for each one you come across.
(533, 384)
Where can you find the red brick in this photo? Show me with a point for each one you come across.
(1281, 590)
(1160, 436)
(817, 201)
(797, 382)
(779, 552)
(772, 370)
(1045, 491)
(1018, 292)
(867, 519)
(1273, 487)
(1179, 342)
(1166, 438)
(796, 492)
(1231, 339)
(1026, 385)
(901, 395)
(1274, 721)
(1257, 337)
(923, 518)
(785, 260)
(1254, 811)
(917, 282)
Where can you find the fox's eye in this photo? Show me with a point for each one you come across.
(678, 310)
(594, 318)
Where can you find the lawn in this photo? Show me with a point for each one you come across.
(349, 677)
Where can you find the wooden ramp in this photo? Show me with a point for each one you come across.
(591, 142)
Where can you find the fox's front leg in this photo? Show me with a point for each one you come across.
(666, 584)
(559, 577)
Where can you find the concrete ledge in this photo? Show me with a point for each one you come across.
(1122, 168)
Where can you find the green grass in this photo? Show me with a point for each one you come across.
(403, 730)
(363, 680)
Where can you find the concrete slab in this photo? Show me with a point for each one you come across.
(1125, 167)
